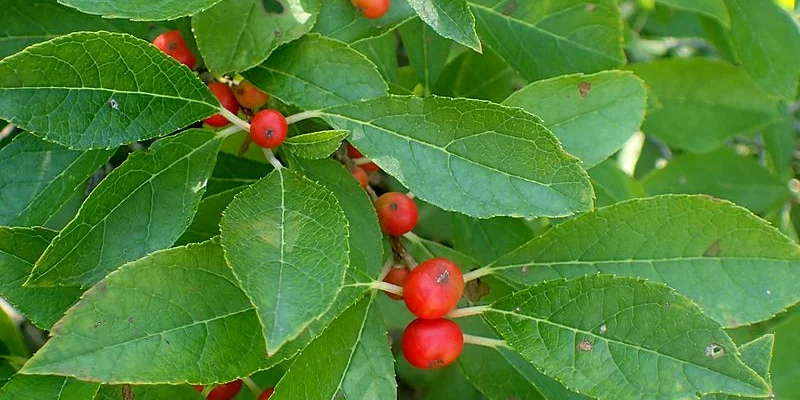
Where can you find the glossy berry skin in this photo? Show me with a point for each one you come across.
(397, 276)
(225, 96)
(223, 392)
(432, 343)
(268, 128)
(353, 153)
(361, 176)
(372, 8)
(173, 45)
(250, 96)
(397, 213)
(266, 394)
(433, 288)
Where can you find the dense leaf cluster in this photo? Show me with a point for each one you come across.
(616, 180)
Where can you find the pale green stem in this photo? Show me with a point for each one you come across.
(485, 342)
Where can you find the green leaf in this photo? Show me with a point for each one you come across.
(11, 342)
(352, 355)
(475, 157)
(366, 245)
(382, 51)
(575, 35)
(612, 185)
(202, 315)
(477, 76)
(757, 354)
(24, 387)
(606, 337)
(704, 102)
(150, 392)
(451, 19)
(427, 52)
(231, 172)
(205, 224)
(285, 238)
(488, 239)
(779, 141)
(51, 20)
(721, 174)
(766, 40)
(119, 90)
(141, 10)
(19, 250)
(44, 177)
(338, 19)
(710, 8)
(732, 263)
(315, 145)
(142, 206)
(592, 115)
(300, 73)
(236, 35)
(502, 374)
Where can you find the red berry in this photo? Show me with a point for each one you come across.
(250, 96)
(265, 395)
(432, 343)
(353, 152)
(397, 213)
(225, 392)
(396, 276)
(433, 288)
(372, 8)
(173, 45)
(228, 100)
(360, 176)
(268, 128)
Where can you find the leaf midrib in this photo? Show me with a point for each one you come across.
(449, 154)
(78, 242)
(149, 335)
(620, 342)
(113, 91)
(550, 34)
(642, 260)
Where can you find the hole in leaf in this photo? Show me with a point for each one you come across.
(273, 6)
(714, 351)
(114, 104)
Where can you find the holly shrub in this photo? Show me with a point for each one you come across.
(567, 199)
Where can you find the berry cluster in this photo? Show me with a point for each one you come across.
(430, 291)
(268, 127)
(229, 390)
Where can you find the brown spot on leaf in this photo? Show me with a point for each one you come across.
(584, 346)
(590, 7)
(476, 290)
(713, 250)
(127, 392)
(524, 269)
(130, 320)
(509, 8)
(584, 88)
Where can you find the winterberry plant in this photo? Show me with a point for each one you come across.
(573, 199)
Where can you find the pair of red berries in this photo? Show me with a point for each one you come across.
(229, 390)
(430, 291)
(372, 8)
